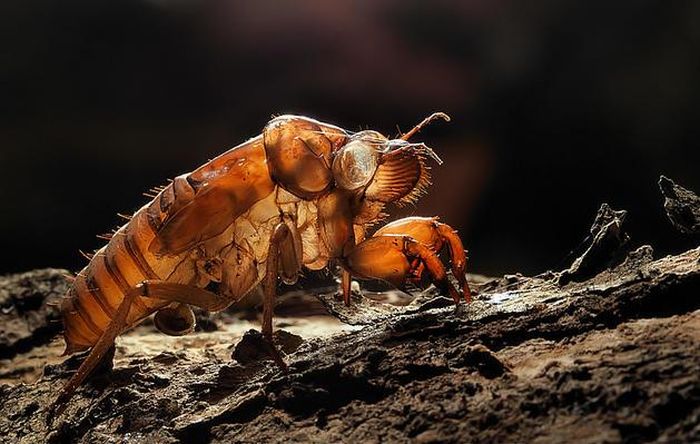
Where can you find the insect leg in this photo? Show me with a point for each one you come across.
(434, 235)
(459, 257)
(185, 294)
(345, 283)
(433, 264)
(280, 254)
(97, 353)
(346, 279)
(391, 258)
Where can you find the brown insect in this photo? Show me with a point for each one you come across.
(301, 194)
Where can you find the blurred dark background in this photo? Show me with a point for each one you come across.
(557, 106)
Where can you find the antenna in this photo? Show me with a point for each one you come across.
(427, 120)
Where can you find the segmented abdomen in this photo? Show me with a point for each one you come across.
(115, 269)
(192, 209)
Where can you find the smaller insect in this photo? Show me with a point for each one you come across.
(300, 195)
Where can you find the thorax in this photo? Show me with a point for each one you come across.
(253, 229)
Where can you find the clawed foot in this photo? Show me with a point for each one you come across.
(403, 251)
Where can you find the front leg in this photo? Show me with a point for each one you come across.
(402, 250)
(435, 235)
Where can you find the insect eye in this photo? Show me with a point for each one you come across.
(355, 165)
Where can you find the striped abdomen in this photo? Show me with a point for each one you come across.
(100, 287)
(192, 209)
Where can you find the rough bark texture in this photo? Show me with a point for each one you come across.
(682, 206)
(606, 351)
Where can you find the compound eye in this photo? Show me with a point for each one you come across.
(354, 165)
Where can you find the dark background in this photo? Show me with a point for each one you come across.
(557, 106)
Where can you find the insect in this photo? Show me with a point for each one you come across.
(301, 194)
